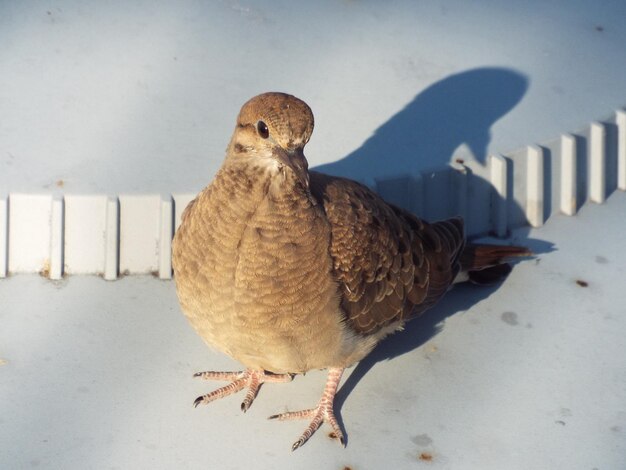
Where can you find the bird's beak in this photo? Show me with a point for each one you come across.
(295, 160)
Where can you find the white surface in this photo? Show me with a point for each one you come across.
(139, 100)
(85, 229)
(166, 232)
(141, 96)
(534, 186)
(140, 230)
(568, 174)
(499, 181)
(180, 202)
(112, 239)
(57, 234)
(597, 188)
(4, 236)
(621, 149)
(531, 374)
(522, 188)
(29, 232)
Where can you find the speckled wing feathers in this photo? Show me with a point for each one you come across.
(390, 265)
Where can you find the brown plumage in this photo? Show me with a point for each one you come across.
(287, 270)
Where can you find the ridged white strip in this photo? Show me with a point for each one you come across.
(112, 237)
(56, 238)
(165, 238)
(597, 169)
(498, 175)
(534, 186)
(568, 174)
(621, 149)
(4, 236)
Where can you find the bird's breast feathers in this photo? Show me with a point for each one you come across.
(260, 274)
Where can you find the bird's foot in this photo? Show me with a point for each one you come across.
(251, 378)
(323, 412)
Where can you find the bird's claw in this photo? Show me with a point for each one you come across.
(323, 413)
(251, 378)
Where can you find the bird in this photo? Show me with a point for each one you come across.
(288, 270)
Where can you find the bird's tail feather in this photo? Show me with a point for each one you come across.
(487, 264)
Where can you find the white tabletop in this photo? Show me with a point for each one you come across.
(141, 97)
(118, 97)
(529, 374)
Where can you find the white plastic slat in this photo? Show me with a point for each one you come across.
(597, 169)
(56, 239)
(621, 149)
(85, 233)
(568, 174)
(112, 239)
(133, 233)
(140, 228)
(534, 186)
(460, 185)
(4, 236)
(393, 189)
(165, 238)
(371, 183)
(498, 176)
(441, 201)
(29, 232)
(181, 201)
(417, 195)
(405, 191)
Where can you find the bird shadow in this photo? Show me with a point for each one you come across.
(459, 109)
(450, 118)
(456, 111)
(415, 334)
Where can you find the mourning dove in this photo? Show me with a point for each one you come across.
(288, 270)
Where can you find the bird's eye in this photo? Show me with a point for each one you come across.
(261, 127)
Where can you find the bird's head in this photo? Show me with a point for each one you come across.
(272, 129)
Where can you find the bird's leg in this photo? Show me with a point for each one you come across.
(323, 412)
(251, 378)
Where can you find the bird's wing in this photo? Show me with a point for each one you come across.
(390, 265)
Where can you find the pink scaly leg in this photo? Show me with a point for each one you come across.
(323, 411)
(253, 379)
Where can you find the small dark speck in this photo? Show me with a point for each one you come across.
(510, 318)
(422, 440)
(599, 28)
(460, 161)
(529, 325)
(48, 13)
(601, 259)
(582, 283)
(558, 421)
(616, 428)
(426, 457)
(332, 435)
(346, 468)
